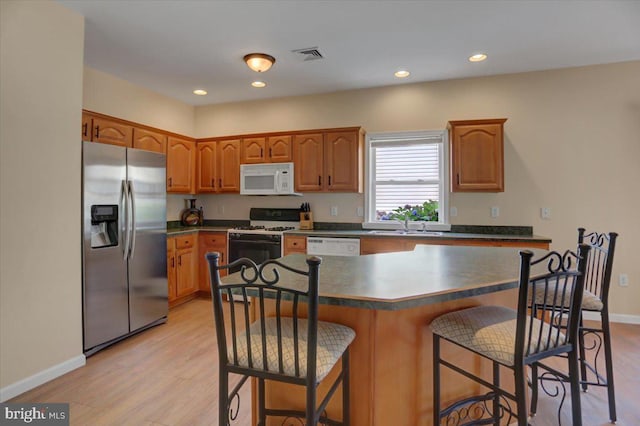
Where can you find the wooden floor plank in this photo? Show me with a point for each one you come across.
(168, 376)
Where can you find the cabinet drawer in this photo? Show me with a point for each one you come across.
(296, 243)
(214, 240)
(185, 241)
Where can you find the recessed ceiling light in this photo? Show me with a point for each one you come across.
(402, 73)
(200, 92)
(258, 84)
(478, 57)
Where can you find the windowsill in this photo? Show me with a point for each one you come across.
(417, 226)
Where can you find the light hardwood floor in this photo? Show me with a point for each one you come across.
(168, 376)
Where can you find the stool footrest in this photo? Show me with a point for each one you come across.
(477, 410)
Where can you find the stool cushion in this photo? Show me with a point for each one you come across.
(590, 301)
(490, 331)
(333, 340)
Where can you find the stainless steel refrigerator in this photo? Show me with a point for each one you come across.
(124, 242)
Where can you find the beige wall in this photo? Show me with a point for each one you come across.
(113, 96)
(572, 143)
(40, 260)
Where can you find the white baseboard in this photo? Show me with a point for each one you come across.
(41, 377)
(622, 318)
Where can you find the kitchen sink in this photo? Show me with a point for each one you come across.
(403, 232)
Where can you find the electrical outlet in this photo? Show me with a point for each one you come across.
(359, 211)
(334, 210)
(545, 213)
(623, 280)
(453, 211)
(495, 211)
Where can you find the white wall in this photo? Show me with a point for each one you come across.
(113, 96)
(572, 143)
(41, 55)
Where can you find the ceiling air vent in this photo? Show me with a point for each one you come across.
(308, 54)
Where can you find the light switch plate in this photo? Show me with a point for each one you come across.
(495, 211)
(545, 213)
(453, 211)
(623, 280)
(334, 210)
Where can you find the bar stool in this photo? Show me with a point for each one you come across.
(595, 299)
(515, 340)
(281, 348)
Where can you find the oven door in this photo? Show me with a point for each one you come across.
(254, 249)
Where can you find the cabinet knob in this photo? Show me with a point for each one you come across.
(319, 180)
(170, 182)
(179, 260)
(270, 152)
(261, 152)
(213, 183)
(97, 132)
(219, 182)
(329, 180)
(84, 129)
(173, 262)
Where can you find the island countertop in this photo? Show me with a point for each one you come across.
(393, 281)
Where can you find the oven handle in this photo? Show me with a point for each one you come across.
(273, 243)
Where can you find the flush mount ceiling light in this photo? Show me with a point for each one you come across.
(478, 57)
(259, 62)
(200, 92)
(402, 73)
(258, 84)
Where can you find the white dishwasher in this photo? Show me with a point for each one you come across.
(323, 246)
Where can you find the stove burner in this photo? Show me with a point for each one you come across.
(280, 228)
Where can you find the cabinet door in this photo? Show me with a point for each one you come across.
(149, 141)
(181, 159)
(343, 159)
(279, 149)
(477, 158)
(111, 132)
(86, 127)
(207, 158)
(308, 162)
(210, 242)
(171, 269)
(295, 244)
(186, 282)
(253, 150)
(229, 166)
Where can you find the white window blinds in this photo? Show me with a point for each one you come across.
(404, 171)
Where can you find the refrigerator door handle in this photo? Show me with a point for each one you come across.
(124, 230)
(132, 228)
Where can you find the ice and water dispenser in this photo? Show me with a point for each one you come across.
(104, 225)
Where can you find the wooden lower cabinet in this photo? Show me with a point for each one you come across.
(182, 270)
(372, 245)
(210, 242)
(295, 244)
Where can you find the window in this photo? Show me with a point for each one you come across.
(407, 178)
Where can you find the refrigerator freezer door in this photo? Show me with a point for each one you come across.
(148, 292)
(105, 294)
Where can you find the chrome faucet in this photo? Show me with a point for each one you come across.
(406, 223)
(424, 226)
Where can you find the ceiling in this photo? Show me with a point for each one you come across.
(173, 47)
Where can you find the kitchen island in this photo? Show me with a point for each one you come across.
(389, 300)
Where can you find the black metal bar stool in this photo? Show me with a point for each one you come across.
(515, 340)
(595, 299)
(288, 349)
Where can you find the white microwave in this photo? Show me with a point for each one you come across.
(267, 179)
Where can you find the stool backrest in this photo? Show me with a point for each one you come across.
(254, 283)
(562, 287)
(600, 265)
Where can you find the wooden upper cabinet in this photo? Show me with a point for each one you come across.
(207, 159)
(112, 132)
(86, 127)
(477, 155)
(149, 141)
(253, 150)
(343, 158)
(229, 165)
(181, 161)
(279, 149)
(308, 152)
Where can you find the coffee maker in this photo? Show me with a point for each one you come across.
(191, 216)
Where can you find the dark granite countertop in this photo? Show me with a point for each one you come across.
(419, 234)
(358, 233)
(394, 281)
